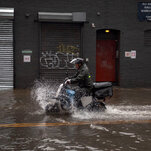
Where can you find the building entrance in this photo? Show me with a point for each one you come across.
(107, 59)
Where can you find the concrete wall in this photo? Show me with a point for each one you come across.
(118, 14)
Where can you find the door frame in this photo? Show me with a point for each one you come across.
(113, 34)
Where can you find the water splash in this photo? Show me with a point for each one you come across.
(133, 112)
(99, 127)
(59, 89)
(43, 92)
(127, 134)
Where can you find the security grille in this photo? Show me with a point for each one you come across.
(6, 54)
(60, 43)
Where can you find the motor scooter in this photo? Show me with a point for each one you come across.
(65, 102)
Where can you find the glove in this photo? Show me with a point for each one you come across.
(68, 81)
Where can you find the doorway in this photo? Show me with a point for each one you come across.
(107, 55)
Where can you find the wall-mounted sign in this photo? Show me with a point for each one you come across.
(144, 11)
(27, 58)
(133, 54)
(130, 54)
(127, 54)
(26, 51)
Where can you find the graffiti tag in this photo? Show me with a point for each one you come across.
(68, 48)
(57, 60)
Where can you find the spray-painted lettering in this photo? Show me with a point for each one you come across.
(68, 48)
(57, 60)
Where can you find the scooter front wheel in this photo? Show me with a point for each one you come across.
(50, 108)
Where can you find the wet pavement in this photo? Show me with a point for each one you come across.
(124, 126)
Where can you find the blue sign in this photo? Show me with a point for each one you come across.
(144, 11)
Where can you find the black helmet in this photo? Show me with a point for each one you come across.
(77, 61)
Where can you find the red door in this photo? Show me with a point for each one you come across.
(105, 60)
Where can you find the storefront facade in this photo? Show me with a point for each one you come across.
(39, 38)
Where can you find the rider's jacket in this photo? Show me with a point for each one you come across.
(83, 77)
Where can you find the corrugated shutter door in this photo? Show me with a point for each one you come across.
(60, 43)
(6, 54)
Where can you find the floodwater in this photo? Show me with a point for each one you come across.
(125, 126)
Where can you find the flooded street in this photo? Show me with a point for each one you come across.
(124, 126)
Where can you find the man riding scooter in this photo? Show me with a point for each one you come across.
(82, 78)
(85, 96)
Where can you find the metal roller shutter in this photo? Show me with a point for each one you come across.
(6, 54)
(60, 43)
